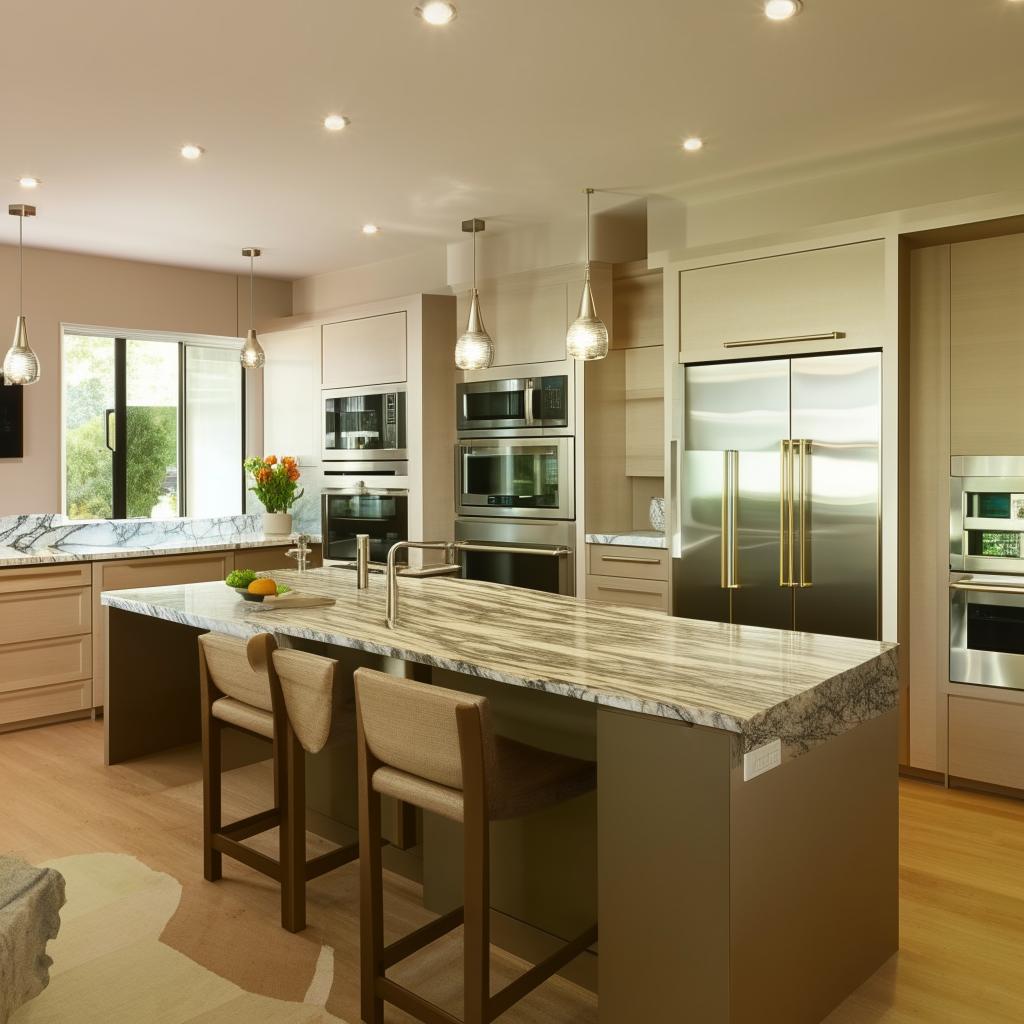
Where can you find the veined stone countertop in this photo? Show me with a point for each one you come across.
(756, 682)
(47, 539)
(633, 539)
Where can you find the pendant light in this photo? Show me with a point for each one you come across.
(21, 365)
(587, 338)
(253, 356)
(474, 350)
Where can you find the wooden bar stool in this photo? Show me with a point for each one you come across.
(296, 700)
(436, 748)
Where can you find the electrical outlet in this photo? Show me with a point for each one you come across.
(761, 760)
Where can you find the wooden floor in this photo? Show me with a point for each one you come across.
(962, 883)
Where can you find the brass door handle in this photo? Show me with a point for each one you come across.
(730, 516)
(805, 544)
(785, 513)
(826, 336)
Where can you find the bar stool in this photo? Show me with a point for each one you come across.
(436, 748)
(296, 700)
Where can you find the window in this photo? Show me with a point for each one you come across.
(153, 427)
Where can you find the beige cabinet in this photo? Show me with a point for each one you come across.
(133, 573)
(291, 392)
(45, 642)
(619, 574)
(724, 310)
(364, 352)
(527, 322)
(986, 346)
(986, 741)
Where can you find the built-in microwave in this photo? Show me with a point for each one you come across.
(526, 478)
(365, 423)
(517, 406)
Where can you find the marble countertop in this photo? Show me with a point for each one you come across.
(759, 683)
(44, 539)
(633, 539)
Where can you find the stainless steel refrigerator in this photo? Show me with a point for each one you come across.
(778, 508)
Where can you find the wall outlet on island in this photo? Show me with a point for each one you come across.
(763, 759)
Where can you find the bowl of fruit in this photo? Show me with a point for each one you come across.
(253, 587)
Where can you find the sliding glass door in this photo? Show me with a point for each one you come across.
(137, 413)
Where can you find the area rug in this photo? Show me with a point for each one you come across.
(110, 967)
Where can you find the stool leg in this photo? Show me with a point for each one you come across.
(212, 859)
(477, 931)
(371, 889)
(293, 833)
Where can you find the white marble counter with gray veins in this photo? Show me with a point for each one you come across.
(632, 539)
(756, 682)
(46, 539)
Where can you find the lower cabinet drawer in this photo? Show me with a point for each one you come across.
(20, 707)
(41, 614)
(45, 677)
(620, 560)
(986, 741)
(634, 593)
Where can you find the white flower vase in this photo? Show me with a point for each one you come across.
(277, 524)
(656, 514)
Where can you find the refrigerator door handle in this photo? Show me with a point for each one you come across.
(730, 516)
(805, 492)
(785, 513)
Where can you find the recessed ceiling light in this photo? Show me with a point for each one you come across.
(692, 144)
(437, 12)
(335, 122)
(782, 10)
(28, 182)
(370, 229)
(191, 151)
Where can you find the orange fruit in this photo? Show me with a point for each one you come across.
(266, 587)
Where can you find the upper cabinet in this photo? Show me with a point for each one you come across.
(528, 324)
(291, 421)
(364, 352)
(986, 346)
(747, 309)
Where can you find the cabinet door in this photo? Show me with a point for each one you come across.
(796, 295)
(986, 741)
(633, 593)
(986, 353)
(528, 325)
(291, 394)
(364, 352)
(133, 573)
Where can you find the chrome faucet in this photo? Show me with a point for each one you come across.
(391, 607)
(449, 568)
(300, 552)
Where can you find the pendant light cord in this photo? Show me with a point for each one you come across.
(21, 264)
(474, 256)
(589, 191)
(252, 289)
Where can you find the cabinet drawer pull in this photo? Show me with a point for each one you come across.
(632, 559)
(827, 336)
(627, 590)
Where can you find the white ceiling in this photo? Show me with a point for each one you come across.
(504, 114)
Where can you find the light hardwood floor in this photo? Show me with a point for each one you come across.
(962, 883)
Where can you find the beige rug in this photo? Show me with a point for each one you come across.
(110, 967)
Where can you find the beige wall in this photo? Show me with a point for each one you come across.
(90, 290)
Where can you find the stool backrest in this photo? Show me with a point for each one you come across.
(313, 692)
(239, 668)
(414, 726)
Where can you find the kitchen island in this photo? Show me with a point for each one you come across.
(719, 900)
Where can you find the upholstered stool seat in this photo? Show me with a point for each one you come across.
(299, 702)
(436, 749)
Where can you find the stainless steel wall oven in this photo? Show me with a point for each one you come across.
(520, 406)
(368, 497)
(365, 423)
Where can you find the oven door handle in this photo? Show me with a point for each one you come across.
(989, 588)
(528, 404)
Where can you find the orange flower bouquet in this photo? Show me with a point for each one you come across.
(275, 482)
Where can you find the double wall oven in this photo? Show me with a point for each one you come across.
(986, 560)
(515, 480)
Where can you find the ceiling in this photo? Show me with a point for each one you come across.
(504, 114)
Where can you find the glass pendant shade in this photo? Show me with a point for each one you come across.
(253, 356)
(587, 337)
(474, 350)
(21, 365)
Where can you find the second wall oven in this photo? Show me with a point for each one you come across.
(526, 478)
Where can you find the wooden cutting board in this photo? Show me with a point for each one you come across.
(294, 600)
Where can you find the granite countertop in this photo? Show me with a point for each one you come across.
(633, 539)
(48, 539)
(759, 683)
